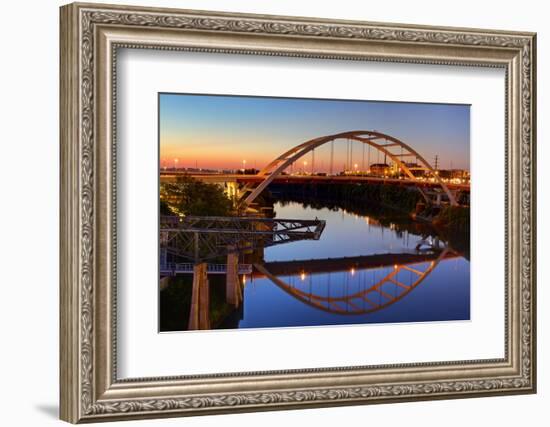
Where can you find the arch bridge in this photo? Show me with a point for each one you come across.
(390, 146)
(388, 290)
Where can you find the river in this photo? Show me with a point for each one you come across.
(433, 290)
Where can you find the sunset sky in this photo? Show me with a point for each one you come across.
(219, 132)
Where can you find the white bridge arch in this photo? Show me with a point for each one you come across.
(370, 299)
(380, 141)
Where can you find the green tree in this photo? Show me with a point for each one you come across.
(190, 196)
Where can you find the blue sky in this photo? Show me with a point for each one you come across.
(221, 131)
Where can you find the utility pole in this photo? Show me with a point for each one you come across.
(436, 162)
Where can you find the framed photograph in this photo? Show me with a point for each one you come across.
(266, 212)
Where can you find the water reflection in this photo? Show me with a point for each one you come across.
(362, 270)
(357, 294)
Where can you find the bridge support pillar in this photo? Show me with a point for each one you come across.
(233, 290)
(199, 315)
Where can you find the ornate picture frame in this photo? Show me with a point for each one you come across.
(90, 37)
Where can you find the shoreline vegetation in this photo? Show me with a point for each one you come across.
(189, 196)
(388, 205)
(452, 224)
(405, 200)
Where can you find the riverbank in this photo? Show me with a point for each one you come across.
(402, 199)
(390, 206)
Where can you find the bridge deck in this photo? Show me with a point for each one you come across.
(328, 265)
(171, 176)
(170, 269)
(202, 237)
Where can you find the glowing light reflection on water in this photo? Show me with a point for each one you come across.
(443, 294)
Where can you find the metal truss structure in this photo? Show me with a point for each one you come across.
(173, 268)
(388, 145)
(200, 238)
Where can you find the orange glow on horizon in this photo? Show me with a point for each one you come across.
(214, 153)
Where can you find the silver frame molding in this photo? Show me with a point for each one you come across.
(90, 37)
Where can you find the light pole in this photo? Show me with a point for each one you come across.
(244, 166)
(355, 166)
(305, 164)
(175, 163)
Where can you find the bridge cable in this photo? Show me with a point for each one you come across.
(346, 167)
(351, 155)
(401, 160)
(395, 284)
(374, 287)
(331, 156)
(368, 159)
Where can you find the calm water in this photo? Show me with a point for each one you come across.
(371, 293)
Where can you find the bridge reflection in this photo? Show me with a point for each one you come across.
(202, 238)
(198, 246)
(401, 274)
(332, 265)
(207, 245)
(370, 297)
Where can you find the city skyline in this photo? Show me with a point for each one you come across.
(234, 132)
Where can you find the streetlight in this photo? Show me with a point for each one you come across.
(244, 165)
(305, 164)
(176, 163)
(355, 166)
